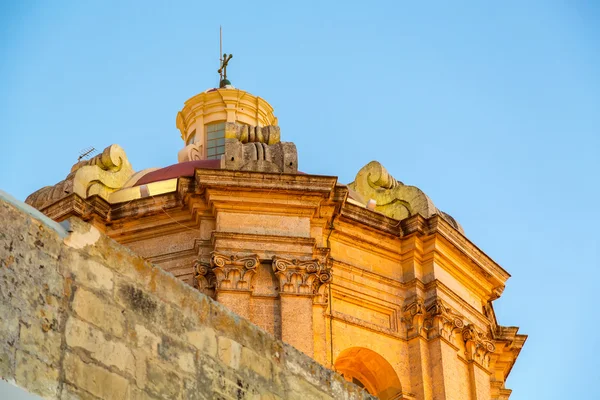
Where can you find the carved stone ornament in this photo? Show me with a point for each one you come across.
(442, 321)
(478, 346)
(204, 278)
(100, 175)
(393, 198)
(414, 316)
(300, 277)
(233, 271)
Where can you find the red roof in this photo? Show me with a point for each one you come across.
(176, 170)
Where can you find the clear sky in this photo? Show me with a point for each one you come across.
(492, 108)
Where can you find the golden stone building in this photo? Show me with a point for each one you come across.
(368, 278)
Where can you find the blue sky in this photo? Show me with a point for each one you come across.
(493, 109)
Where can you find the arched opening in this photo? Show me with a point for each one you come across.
(369, 370)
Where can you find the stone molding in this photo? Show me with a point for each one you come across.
(300, 277)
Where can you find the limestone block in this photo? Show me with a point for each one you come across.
(229, 352)
(36, 376)
(177, 353)
(256, 363)
(108, 352)
(166, 384)
(146, 339)
(98, 381)
(7, 362)
(205, 340)
(85, 271)
(96, 310)
(36, 338)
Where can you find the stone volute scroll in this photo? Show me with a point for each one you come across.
(232, 272)
(204, 278)
(300, 277)
(441, 321)
(478, 346)
(414, 316)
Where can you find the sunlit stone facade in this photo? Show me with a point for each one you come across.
(368, 278)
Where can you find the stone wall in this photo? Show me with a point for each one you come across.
(83, 317)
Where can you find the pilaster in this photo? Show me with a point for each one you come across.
(299, 283)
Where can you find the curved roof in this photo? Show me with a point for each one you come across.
(176, 170)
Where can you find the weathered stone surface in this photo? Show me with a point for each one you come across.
(111, 353)
(92, 308)
(36, 376)
(42, 341)
(97, 380)
(107, 335)
(164, 383)
(87, 272)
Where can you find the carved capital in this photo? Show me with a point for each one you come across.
(441, 321)
(478, 346)
(233, 271)
(414, 316)
(300, 277)
(204, 277)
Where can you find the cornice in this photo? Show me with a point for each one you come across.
(265, 181)
(371, 219)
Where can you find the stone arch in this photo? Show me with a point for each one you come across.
(370, 370)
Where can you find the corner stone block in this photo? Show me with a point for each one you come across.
(36, 376)
(93, 309)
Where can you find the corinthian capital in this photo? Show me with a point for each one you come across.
(233, 271)
(300, 277)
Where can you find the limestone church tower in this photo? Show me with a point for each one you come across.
(368, 278)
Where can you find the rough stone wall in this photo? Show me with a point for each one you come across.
(83, 317)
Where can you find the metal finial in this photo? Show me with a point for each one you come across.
(224, 60)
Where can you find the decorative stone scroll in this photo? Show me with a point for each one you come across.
(414, 316)
(478, 346)
(300, 277)
(100, 175)
(441, 321)
(204, 278)
(393, 198)
(226, 272)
